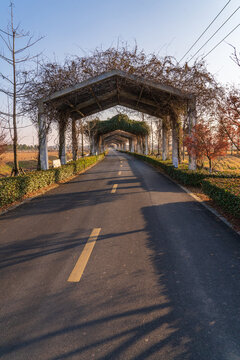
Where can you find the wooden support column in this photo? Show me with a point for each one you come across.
(138, 145)
(146, 145)
(103, 146)
(42, 136)
(174, 143)
(192, 120)
(132, 149)
(62, 140)
(91, 145)
(165, 138)
(99, 145)
(135, 145)
(129, 144)
(74, 140)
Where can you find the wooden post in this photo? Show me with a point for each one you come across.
(129, 144)
(165, 136)
(62, 140)
(146, 145)
(138, 145)
(192, 120)
(74, 140)
(174, 143)
(132, 145)
(42, 136)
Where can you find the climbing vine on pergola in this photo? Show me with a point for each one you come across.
(119, 122)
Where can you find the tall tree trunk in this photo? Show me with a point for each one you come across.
(152, 136)
(82, 138)
(74, 140)
(38, 160)
(180, 140)
(62, 133)
(165, 140)
(15, 170)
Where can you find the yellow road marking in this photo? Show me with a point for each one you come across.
(119, 173)
(79, 268)
(121, 165)
(114, 188)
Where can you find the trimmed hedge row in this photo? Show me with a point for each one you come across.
(225, 192)
(182, 174)
(15, 188)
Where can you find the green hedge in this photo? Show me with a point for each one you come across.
(223, 188)
(181, 174)
(225, 192)
(15, 188)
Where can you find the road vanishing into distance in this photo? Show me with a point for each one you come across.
(119, 263)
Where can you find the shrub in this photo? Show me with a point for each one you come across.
(15, 188)
(225, 192)
(182, 174)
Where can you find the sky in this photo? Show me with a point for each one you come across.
(165, 27)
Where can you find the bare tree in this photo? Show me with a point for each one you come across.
(229, 116)
(159, 135)
(16, 58)
(235, 56)
(3, 142)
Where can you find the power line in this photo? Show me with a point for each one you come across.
(222, 40)
(205, 30)
(214, 33)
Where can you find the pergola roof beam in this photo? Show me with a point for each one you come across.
(96, 98)
(117, 88)
(122, 133)
(101, 98)
(117, 73)
(74, 109)
(140, 95)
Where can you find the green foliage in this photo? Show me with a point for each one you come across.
(225, 192)
(15, 188)
(182, 174)
(120, 122)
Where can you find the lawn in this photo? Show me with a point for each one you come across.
(228, 163)
(27, 161)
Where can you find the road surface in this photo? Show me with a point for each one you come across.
(119, 263)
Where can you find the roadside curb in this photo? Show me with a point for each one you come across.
(13, 207)
(198, 199)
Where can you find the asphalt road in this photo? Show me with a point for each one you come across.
(162, 281)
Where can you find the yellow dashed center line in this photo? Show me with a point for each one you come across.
(119, 173)
(114, 188)
(79, 268)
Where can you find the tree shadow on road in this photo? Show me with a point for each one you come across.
(194, 316)
(189, 320)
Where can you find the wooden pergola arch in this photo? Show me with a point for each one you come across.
(119, 88)
(127, 140)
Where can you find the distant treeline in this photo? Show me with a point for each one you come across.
(23, 147)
